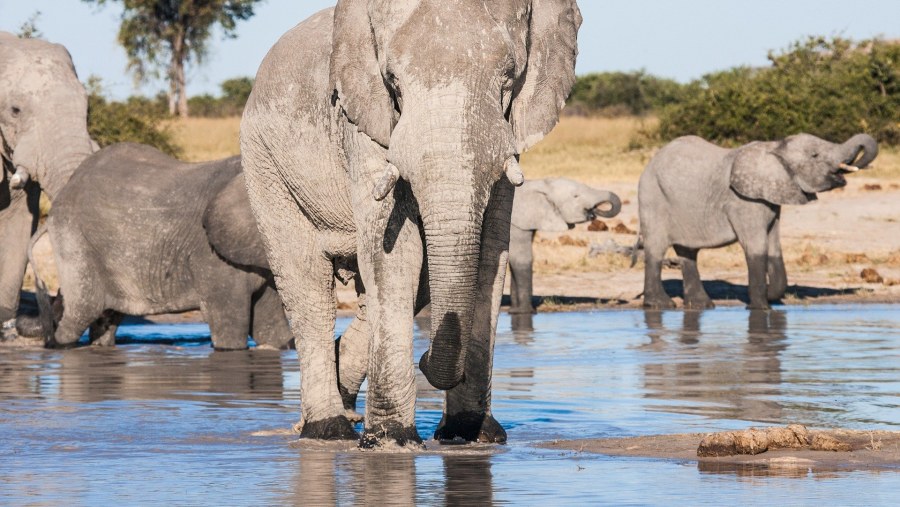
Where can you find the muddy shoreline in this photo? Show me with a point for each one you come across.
(869, 450)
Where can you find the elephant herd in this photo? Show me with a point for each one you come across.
(380, 145)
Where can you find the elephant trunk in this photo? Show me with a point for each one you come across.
(452, 240)
(50, 154)
(860, 143)
(614, 202)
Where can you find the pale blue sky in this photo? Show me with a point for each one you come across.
(679, 39)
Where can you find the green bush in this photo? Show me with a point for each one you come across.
(831, 88)
(622, 93)
(138, 120)
(234, 96)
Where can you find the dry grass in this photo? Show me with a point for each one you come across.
(593, 150)
(886, 166)
(596, 151)
(205, 139)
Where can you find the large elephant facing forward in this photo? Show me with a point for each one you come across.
(43, 138)
(392, 130)
(694, 195)
(552, 204)
(134, 233)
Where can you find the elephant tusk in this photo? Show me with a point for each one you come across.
(19, 179)
(514, 172)
(849, 168)
(387, 182)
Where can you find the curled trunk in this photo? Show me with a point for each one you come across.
(860, 143)
(614, 202)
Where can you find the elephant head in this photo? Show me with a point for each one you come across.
(557, 204)
(231, 227)
(455, 91)
(793, 170)
(43, 113)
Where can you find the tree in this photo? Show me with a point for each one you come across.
(29, 29)
(169, 34)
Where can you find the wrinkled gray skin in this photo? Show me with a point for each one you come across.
(128, 238)
(549, 205)
(398, 139)
(694, 195)
(43, 138)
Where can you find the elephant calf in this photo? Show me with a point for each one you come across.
(553, 204)
(694, 194)
(129, 238)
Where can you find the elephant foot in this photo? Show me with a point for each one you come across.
(333, 428)
(775, 296)
(229, 347)
(522, 310)
(28, 326)
(391, 434)
(759, 306)
(104, 342)
(471, 427)
(699, 304)
(658, 303)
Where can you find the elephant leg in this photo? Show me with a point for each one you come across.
(755, 247)
(521, 261)
(775, 271)
(304, 275)
(270, 328)
(655, 296)
(391, 276)
(467, 411)
(225, 302)
(352, 350)
(103, 331)
(16, 225)
(695, 296)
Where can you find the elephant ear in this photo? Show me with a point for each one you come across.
(231, 227)
(533, 210)
(550, 73)
(757, 173)
(356, 75)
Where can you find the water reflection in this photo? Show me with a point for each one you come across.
(155, 373)
(743, 382)
(522, 322)
(367, 478)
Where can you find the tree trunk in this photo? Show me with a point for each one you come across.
(177, 91)
(182, 90)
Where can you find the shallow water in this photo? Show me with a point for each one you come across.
(163, 419)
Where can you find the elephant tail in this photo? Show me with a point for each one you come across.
(638, 244)
(45, 306)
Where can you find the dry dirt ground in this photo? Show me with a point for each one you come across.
(828, 244)
(868, 450)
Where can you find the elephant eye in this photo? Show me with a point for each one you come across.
(815, 155)
(15, 111)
